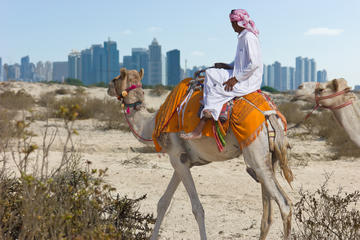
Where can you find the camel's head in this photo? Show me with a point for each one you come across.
(330, 89)
(127, 87)
(306, 92)
(324, 93)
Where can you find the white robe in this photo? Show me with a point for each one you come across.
(247, 69)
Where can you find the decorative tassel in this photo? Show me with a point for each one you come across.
(128, 110)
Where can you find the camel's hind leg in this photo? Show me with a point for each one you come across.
(257, 156)
(163, 204)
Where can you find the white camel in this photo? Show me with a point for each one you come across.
(187, 153)
(336, 96)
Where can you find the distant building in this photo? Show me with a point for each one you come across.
(322, 76)
(285, 79)
(60, 71)
(357, 88)
(155, 63)
(1, 70)
(277, 76)
(292, 78)
(74, 65)
(98, 61)
(271, 75)
(39, 74)
(14, 72)
(299, 71)
(25, 69)
(112, 60)
(48, 71)
(127, 62)
(140, 59)
(191, 72)
(86, 67)
(307, 70)
(265, 77)
(163, 70)
(173, 69)
(313, 70)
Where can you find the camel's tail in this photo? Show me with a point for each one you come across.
(280, 147)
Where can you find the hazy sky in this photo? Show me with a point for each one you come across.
(326, 30)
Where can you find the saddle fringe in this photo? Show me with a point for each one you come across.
(280, 149)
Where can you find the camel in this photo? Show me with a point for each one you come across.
(336, 96)
(185, 154)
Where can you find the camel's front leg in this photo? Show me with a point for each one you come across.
(267, 213)
(163, 204)
(184, 173)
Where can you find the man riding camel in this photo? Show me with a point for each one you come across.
(227, 81)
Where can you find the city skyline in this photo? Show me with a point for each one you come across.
(200, 30)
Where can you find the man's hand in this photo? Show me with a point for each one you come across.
(229, 84)
(222, 65)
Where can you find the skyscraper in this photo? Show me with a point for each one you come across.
(277, 76)
(140, 59)
(271, 75)
(98, 61)
(112, 60)
(74, 65)
(60, 71)
(25, 69)
(292, 78)
(155, 67)
(285, 79)
(265, 76)
(313, 70)
(322, 76)
(86, 66)
(48, 71)
(127, 62)
(299, 71)
(307, 70)
(173, 71)
(1, 71)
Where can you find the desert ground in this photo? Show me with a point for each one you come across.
(230, 197)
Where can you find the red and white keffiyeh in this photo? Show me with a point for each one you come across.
(243, 20)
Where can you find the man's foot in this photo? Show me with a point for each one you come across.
(190, 136)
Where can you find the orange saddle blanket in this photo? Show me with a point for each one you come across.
(245, 121)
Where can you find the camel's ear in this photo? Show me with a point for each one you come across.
(339, 84)
(141, 73)
(123, 73)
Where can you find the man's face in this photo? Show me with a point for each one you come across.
(236, 27)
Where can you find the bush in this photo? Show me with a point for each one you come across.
(321, 215)
(71, 205)
(158, 90)
(62, 91)
(74, 82)
(292, 112)
(66, 202)
(16, 101)
(269, 89)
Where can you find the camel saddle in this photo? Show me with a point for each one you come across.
(180, 110)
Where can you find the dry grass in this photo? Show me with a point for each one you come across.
(19, 100)
(322, 215)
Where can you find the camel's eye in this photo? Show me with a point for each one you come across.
(301, 87)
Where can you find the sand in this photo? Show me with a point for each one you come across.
(230, 197)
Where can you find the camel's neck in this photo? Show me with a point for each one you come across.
(143, 123)
(349, 117)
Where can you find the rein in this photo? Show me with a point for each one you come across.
(318, 105)
(127, 111)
